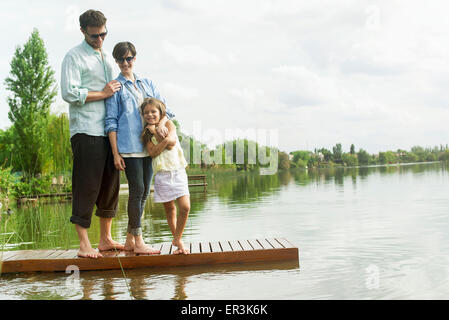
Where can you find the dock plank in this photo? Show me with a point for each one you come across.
(205, 247)
(265, 244)
(286, 243)
(215, 246)
(69, 254)
(223, 251)
(20, 255)
(225, 246)
(235, 245)
(274, 243)
(195, 247)
(256, 245)
(5, 255)
(166, 248)
(245, 245)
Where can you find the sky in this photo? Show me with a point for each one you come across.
(297, 75)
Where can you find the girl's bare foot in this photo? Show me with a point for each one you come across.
(181, 248)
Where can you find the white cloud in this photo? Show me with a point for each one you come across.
(370, 73)
(190, 54)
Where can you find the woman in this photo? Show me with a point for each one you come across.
(124, 125)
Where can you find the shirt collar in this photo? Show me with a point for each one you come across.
(89, 49)
(122, 79)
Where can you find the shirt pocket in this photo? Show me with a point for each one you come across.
(127, 102)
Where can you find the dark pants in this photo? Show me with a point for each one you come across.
(95, 180)
(139, 173)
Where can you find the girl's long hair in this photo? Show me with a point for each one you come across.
(146, 134)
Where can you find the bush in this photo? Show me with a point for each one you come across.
(6, 185)
(33, 186)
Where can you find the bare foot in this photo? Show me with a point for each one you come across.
(146, 249)
(110, 244)
(89, 253)
(130, 244)
(181, 248)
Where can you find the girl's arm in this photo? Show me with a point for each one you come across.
(155, 150)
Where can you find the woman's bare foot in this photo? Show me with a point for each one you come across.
(130, 243)
(109, 244)
(181, 248)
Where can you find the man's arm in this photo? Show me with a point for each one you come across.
(71, 87)
(110, 88)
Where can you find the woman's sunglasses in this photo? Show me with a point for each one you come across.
(121, 60)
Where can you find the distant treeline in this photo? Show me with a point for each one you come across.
(324, 157)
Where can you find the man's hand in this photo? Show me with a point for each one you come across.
(111, 88)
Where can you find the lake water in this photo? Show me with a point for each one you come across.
(362, 233)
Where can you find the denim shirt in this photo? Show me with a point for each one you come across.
(123, 113)
(85, 69)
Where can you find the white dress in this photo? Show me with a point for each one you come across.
(170, 177)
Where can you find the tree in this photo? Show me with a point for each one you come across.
(352, 150)
(363, 157)
(33, 88)
(337, 152)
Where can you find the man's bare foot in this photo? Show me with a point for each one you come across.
(109, 244)
(146, 249)
(89, 253)
(181, 248)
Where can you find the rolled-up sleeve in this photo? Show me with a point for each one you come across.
(71, 89)
(112, 112)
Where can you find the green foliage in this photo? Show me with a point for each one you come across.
(350, 160)
(33, 186)
(31, 82)
(57, 149)
(7, 180)
(337, 151)
(363, 157)
(387, 157)
(283, 161)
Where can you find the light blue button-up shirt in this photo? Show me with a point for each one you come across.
(84, 70)
(123, 113)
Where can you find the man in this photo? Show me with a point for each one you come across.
(86, 81)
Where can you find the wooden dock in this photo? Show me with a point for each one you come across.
(202, 253)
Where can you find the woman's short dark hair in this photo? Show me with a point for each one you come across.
(92, 18)
(121, 49)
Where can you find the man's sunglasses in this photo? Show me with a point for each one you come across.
(121, 60)
(96, 36)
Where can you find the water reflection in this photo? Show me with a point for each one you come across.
(344, 220)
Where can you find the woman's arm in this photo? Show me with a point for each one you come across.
(171, 134)
(119, 163)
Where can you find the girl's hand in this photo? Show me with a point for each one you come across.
(119, 163)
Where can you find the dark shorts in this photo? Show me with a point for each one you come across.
(95, 180)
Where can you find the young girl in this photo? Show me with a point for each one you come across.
(170, 177)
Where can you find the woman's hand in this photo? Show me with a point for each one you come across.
(162, 131)
(119, 163)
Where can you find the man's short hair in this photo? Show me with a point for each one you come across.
(92, 18)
